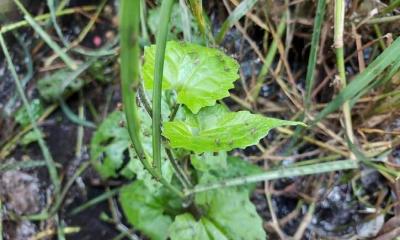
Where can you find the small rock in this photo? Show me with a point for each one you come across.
(370, 228)
(19, 231)
(20, 192)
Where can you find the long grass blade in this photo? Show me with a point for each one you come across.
(42, 144)
(235, 16)
(42, 33)
(312, 59)
(363, 81)
(279, 173)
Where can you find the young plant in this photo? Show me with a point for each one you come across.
(181, 190)
(194, 78)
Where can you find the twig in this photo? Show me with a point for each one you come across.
(275, 222)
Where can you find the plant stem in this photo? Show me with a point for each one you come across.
(180, 173)
(130, 55)
(312, 59)
(339, 28)
(42, 144)
(277, 174)
(143, 99)
(161, 39)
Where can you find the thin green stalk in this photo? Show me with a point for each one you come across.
(161, 41)
(391, 7)
(312, 59)
(383, 19)
(130, 54)
(269, 58)
(94, 201)
(144, 100)
(338, 43)
(196, 7)
(180, 173)
(143, 10)
(277, 174)
(42, 144)
(69, 184)
(379, 35)
(130, 81)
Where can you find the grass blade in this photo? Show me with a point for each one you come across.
(361, 82)
(42, 144)
(235, 16)
(312, 59)
(279, 173)
(53, 45)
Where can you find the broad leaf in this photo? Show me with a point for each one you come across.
(229, 214)
(216, 129)
(198, 74)
(185, 227)
(145, 209)
(232, 211)
(63, 82)
(111, 151)
(58, 84)
(235, 167)
(209, 161)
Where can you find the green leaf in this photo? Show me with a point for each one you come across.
(185, 227)
(235, 167)
(145, 209)
(111, 145)
(231, 211)
(63, 82)
(229, 215)
(30, 137)
(198, 74)
(209, 161)
(57, 84)
(216, 129)
(22, 117)
(108, 145)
